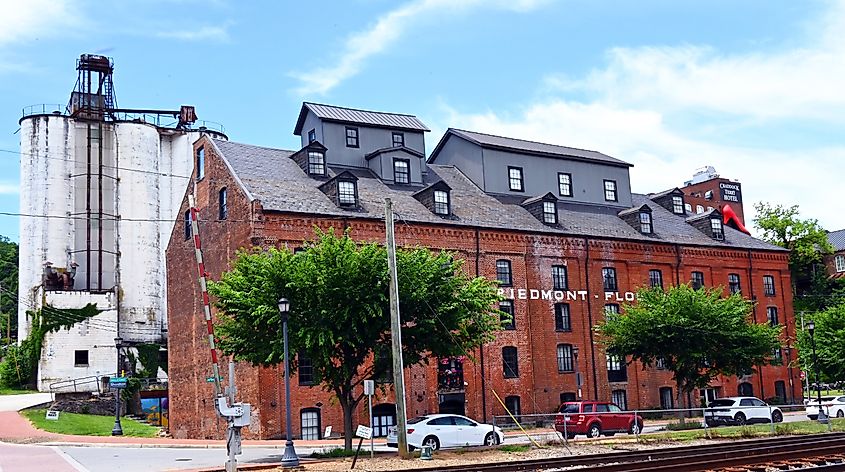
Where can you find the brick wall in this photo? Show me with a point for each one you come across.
(539, 384)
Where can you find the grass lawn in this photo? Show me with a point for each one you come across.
(88, 425)
(798, 427)
(12, 391)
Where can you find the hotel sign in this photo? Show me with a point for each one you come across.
(564, 295)
(730, 192)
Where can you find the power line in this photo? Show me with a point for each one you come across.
(128, 169)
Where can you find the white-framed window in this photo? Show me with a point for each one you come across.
(549, 213)
(645, 222)
(441, 202)
(310, 423)
(200, 163)
(346, 192)
(678, 205)
(401, 171)
(564, 184)
(769, 285)
(610, 190)
(398, 139)
(620, 398)
(839, 263)
(699, 209)
(515, 179)
(351, 137)
(716, 227)
(688, 207)
(316, 163)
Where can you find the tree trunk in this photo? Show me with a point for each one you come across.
(348, 433)
(679, 402)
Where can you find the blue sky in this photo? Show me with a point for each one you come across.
(754, 88)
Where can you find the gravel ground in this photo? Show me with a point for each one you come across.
(460, 457)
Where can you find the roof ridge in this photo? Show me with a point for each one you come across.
(359, 109)
(526, 140)
(225, 141)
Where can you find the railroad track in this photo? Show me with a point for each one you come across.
(724, 457)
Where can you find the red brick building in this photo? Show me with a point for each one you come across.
(707, 191)
(557, 226)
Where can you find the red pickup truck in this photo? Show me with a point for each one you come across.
(594, 419)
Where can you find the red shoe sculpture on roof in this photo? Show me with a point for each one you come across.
(729, 218)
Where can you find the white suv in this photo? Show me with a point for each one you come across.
(833, 406)
(741, 411)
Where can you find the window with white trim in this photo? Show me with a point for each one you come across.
(351, 137)
(564, 184)
(716, 227)
(610, 190)
(441, 202)
(678, 205)
(839, 263)
(645, 222)
(346, 192)
(768, 286)
(549, 213)
(316, 163)
(401, 171)
(398, 139)
(515, 179)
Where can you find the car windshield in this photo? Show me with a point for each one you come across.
(569, 408)
(722, 403)
(417, 419)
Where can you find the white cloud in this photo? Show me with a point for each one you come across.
(8, 188)
(204, 33)
(645, 106)
(31, 19)
(387, 30)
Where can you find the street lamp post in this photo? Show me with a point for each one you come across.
(811, 328)
(289, 458)
(788, 350)
(117, 430)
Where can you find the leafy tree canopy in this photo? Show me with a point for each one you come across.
(830, 344)
(805, 238)
(8, 286)
(697, 334)
(340, 312)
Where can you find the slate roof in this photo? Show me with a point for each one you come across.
(270, 176)
(522, 146)
(363, 117)
(837, 239)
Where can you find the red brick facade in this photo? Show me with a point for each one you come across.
(695, 196)
(539, 385)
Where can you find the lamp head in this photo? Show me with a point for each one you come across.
(118, 342)
(284, 307)
(811, 326)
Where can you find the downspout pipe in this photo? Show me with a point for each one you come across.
(481, 348)
(590, 319)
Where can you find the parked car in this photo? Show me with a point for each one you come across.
(741, 411)
(833, 406)
(594, 419)
(446, 430)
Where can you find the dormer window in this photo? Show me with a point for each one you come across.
(401, 171)
(645, 222)
(515, 181)
(346, 194)
(398, 139)
(441, 202)
(316, 163)
(716, 228)
(610, 191)
(564, 184)
(678, 205)
(549, 213)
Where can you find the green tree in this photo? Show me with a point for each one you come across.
(805, 238)
(340, 313)
(698, 334)
(8, 289)
(829, 337)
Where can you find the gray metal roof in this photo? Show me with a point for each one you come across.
(363, 117)
(837, 239)
(270, 176)
(522, 146)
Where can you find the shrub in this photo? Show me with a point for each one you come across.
(514, 448)
(684, 426)
(336, 452)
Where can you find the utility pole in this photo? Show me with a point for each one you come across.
(396, 335)
(806, 373)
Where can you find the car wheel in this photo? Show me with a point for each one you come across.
(570, 435)
(636, 428)
(777, 416)
(431, 441)
(840, 413)
(594, 431)
(740, 419)
(491, 439)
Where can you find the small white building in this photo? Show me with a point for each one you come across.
(100, 190)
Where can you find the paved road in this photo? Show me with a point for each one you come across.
(17, 458)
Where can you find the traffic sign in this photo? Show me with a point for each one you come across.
(209, 379)
(117, 382)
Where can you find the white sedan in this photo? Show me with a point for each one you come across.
(445, 430)
(833, 406)
(741, 411)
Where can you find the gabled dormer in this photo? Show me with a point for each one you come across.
(709, 223)
(399, 165)
(672, 200)
(640, 218)
(437, 197)
(343, 190)
(312, 159)
(544, 208)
